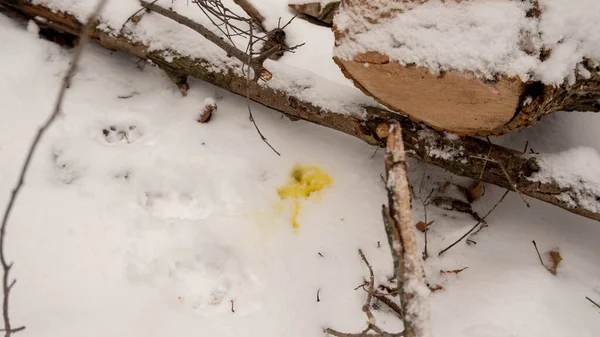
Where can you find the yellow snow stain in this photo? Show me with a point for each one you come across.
(303, 182)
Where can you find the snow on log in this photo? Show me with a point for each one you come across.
(327, 104)
(320, 11)
(472, 67)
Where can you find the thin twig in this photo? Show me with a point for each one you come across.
(362, 334)
(395, 307)
(596, 304)
(485, 162)
(6, 286)
(367, 306)
(510, 182)
(425, 253)
(538, 253)
(131, 17)
(248, 80)
(371, 326)
(477, 224)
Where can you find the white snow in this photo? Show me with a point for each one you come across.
(571, 29)
(485, 38)
(576, 168)
(159, 226)
(478, 36)
(444, 152)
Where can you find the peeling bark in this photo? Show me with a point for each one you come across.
(408, 263)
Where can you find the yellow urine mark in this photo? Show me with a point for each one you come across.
(303, 182)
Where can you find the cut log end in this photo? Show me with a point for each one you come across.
(462, 101)
(451, 101)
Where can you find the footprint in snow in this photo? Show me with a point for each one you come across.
(174, 205)
(65, 167)
(121, 134)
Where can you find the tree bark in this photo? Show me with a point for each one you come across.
(457, 101)
(370, 124)
(408, 263)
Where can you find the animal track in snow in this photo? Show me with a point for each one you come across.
(67, 174)
(121, 133)
(174, 205)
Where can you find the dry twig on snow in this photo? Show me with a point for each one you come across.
(366, 308)
(480, 222)
(594, 303)
(228, 23)
(6, 266)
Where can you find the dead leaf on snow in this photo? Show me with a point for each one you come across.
(455, 271)
(422, 227)
(554, 259)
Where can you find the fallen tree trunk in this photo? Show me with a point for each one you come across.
(462, 156)
(451, 74)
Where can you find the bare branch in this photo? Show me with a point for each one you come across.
(482, 220)
(366, 308)
(6, 285)
(594, 303)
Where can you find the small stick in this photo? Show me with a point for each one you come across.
(362, 285)
(318, 292)
(596, 304)
(232, 309)
(362, 334)
(132, 15)
(321, 255)
(538, 253)
(473, 228)
(513, 185)
(367, 306)
(395, 307)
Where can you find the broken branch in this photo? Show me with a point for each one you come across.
(409, 269)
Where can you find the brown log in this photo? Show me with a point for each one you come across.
(457, 101)
(317, 11)
(368, 124)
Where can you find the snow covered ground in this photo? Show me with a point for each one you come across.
(162, 226)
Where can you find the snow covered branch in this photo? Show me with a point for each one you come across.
(459, 155)
(254, 62)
